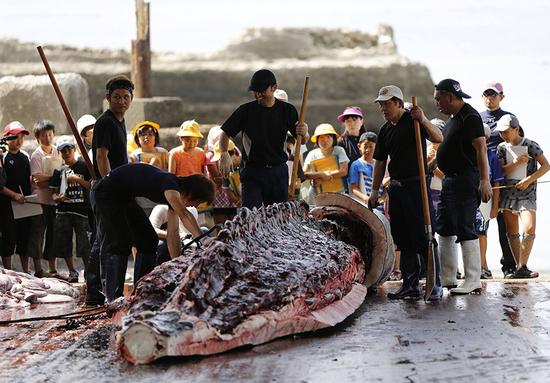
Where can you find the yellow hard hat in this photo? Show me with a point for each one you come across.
(217, 153)
(323, 129)
(153, 125)
(190, 128)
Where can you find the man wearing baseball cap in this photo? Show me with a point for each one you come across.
(264, 124)
(493, 94)
(17, 172)
(462, 157)
(397, 141)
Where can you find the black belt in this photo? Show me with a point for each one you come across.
(268, 166)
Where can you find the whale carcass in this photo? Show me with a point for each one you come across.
(278, 270)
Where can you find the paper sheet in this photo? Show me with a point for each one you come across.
(30, 208)
(520, 171)
(50, 163)
(485, 209)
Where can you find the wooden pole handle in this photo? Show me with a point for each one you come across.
(421, 169)
(296, 161)
(67, 113)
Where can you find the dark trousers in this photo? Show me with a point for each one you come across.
(41, 234)
(507, 260)
(408, 227)
(264, 185)
(65, 224)
(457, 209)
(120, 224)
(14, 233)
(162, 252)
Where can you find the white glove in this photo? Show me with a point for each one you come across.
(225, 164)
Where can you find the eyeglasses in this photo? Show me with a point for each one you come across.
(490, 93)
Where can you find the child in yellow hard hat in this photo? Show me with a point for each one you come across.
(188, 159)
(146, 137)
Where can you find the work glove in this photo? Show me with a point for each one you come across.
(225, 164)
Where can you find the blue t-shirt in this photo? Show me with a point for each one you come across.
(490, 118)
(361, 173)
(495, 170)
(143, 180)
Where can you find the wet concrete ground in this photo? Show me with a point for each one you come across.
(501, 335)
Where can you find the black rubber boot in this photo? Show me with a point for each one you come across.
(145, 263)
(410, 269)
(115, 273)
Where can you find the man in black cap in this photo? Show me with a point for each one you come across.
(462, 157)
(264, 124)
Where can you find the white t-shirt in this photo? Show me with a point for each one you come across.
(159, 216)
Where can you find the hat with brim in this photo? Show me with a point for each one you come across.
(388, 92)
(143, 124)
(218, 153)
(451, 86)
(322, 130)
(15, 127)
(350, 111)
(190, 128)
(63, 142)
(85, 121)
(506, 122)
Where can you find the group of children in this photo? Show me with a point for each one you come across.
(55, 180)
(55, 177)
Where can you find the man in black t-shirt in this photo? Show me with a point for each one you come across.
(121, 223)
(492, 97)
(396, 140)
(264, 124)
(108, 152)
(462, 157)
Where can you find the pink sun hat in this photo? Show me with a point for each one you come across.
(350, 111)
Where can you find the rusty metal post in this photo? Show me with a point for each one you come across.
(141, 52)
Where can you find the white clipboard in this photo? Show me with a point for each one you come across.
(30, 208)
(485, 209)
(520, 171)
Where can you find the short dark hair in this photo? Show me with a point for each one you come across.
(119, 82)
(197, 187)
(43, 126)
(157, 136)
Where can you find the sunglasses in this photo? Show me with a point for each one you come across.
(490, 93)
(353, 117)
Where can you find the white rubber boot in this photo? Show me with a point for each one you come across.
(448, 256)
(472, 268)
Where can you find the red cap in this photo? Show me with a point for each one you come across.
(15, 127)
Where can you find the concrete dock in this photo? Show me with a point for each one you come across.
(501, 335)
